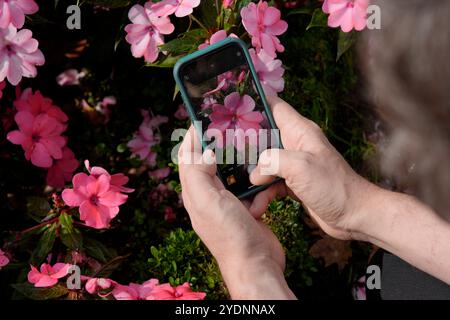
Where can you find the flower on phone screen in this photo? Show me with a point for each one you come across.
(224, 81)
(236, 114)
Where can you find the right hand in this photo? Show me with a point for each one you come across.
(313, 172)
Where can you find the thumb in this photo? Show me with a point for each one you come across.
(282, 163)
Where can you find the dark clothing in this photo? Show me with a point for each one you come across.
(402, 281)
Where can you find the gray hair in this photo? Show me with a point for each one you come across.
(408, 72)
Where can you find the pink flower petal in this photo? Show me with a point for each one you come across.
(112, 199)
(40, 156)
(60, 270)
(73, 198)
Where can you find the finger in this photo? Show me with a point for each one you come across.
(201, 175)
(247, 203)
(190, 146)
(263, 198)
(279, 163)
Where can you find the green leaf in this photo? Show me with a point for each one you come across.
(209, 12)
(154, 251)
(174, 266)
(121, 148)
(210, 281)
(45, 244)
(31, 292)
(109, 267)
(345, 42)
(38, 206)
(228, 18)
(166, 62)
(188, 42)
(305, 10)
(70, 236)
(176, 91)
(318, 19)
(97, 250)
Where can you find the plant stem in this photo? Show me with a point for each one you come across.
(198, 22)
(39, 225)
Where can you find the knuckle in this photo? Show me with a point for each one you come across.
(314, 128)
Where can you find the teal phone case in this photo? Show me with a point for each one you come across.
(191, 110)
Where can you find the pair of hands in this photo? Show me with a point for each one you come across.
(250, 256)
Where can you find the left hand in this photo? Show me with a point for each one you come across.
(249, 255)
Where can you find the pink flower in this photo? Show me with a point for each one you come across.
(97, 202)
(14, 11)
(40, 138)
(181, 112)
(108, 101)
(145, 138)
(216, 37)
(97, 285)
(4, 260)
(208, 102)
(169, 214)
(325, 6)
(2, 86)
(160, 193)
(227, 3)
(135, 291)
(62, 169)
(359, 289)
(78, 257)
(263, 23)
(142, 143)
(348, 14)
(236, 114)
(153, 121)
(223, 82)
(167, 292)
(117, 180)
(181, 8)
(160, 173)
(103, 107)
(36, 104)
(270, 72)
(48, 275)
(146, 31)
(70, 77)
(19, 55)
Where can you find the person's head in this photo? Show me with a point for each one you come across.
(407, 64)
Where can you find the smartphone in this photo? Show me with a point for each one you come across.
(227, 105)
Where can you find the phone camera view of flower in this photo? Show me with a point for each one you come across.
(230, 109)
(229, 106)
(236, 114)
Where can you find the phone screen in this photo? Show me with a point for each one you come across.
(234, 121)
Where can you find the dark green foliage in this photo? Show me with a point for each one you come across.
(183, 258)
(284, 218)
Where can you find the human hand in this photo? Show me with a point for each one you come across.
(249, 255)
(314, 173)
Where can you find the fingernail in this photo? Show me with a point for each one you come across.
(209, 157)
